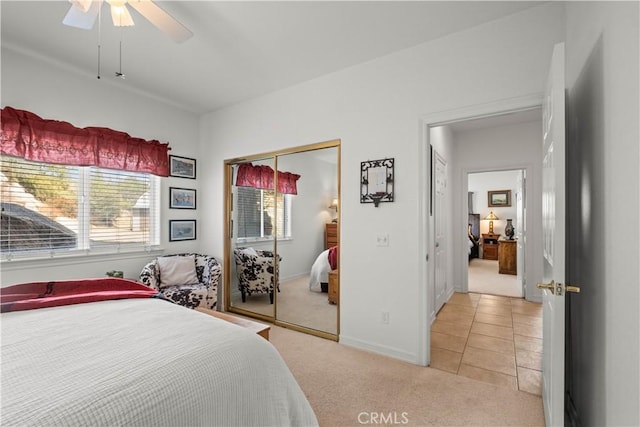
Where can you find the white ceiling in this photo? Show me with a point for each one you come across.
(240, 49)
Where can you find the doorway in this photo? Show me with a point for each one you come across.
(497, 232)
(502, 139)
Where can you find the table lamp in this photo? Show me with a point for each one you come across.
(491, 217)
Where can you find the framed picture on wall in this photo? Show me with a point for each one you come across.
(182, 198)
(183, 229)
(499, 198)
(182, 167)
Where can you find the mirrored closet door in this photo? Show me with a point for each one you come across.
(283, 238)
(252, 242)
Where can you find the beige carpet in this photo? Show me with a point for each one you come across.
(297, 305)
(300, 306)
(347, 387)
(485, 279)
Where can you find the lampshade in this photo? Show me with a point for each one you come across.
(491, 216)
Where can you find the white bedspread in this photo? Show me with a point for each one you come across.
(319, 271)
(142, 362)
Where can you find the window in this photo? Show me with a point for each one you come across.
(258, 209)
(48, 209)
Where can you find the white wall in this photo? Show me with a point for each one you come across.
(55, 92)
(375, 109)
(508, 147)
(602, 69)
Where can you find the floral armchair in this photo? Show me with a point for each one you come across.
(256, 272)
(187, 279)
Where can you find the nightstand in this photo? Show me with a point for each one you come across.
(334, 287)
(490, 246)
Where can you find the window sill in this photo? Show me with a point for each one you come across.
(20, 263)
(246, 240)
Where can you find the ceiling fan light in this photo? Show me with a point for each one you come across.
(120, 15)
(83, 5)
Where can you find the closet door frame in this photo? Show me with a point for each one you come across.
(228, 228)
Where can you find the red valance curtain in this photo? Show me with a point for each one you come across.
(31, 137)
(261, 176)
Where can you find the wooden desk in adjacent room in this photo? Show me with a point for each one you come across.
(507, 256)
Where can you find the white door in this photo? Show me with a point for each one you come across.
(440, 222)
(520, 230)
(553, 228)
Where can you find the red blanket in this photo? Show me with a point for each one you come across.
(27, 296)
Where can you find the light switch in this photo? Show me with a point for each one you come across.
(382, 240)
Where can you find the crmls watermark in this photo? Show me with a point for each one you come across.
(385, 418)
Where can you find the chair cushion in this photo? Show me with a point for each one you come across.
(249, 251)
(177, 270)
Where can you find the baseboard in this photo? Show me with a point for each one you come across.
(379, 349)
(293, 277)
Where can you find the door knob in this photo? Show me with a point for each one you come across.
(557, 288)
(549, 286)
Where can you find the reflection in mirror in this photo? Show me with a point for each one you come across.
(254, 212)
(307, 258)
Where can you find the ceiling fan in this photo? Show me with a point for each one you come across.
(83, 13)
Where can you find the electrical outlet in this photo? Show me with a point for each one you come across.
(385, 317)
(382, 240)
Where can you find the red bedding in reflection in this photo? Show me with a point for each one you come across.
(28, 296)
(333, 257)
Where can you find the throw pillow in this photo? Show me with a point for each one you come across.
(250, 251)
(177, 270)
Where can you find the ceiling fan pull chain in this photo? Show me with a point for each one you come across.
(99, 38)
(119, 73)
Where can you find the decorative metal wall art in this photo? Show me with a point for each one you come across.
(376, 181)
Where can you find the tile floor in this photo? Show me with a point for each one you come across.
(490, 338)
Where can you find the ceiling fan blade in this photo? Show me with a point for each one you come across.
(76, 17)
(161, 19)
(121, 16)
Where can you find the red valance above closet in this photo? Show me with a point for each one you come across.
(31, 137)
(262, 177)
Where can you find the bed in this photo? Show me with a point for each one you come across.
(324, 263)
(141, 361)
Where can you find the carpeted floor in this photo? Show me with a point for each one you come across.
(485, 279)
(296, 304)
(349, 387)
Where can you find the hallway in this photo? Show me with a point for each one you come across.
(490, 338)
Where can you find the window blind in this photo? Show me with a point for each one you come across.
(51, 209)
(257, 213)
